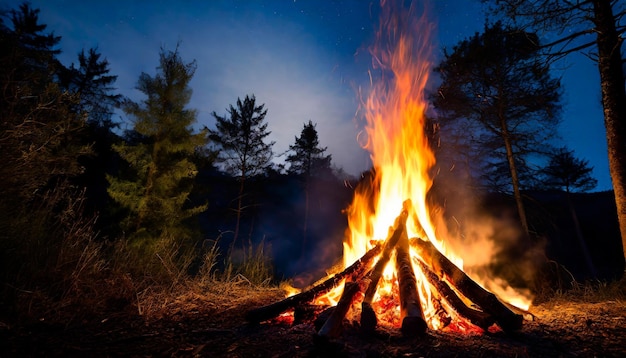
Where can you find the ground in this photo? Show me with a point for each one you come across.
(210, 323)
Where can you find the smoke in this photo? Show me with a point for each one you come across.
(484, 230)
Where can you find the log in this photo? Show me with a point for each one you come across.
(487, 301)
(357, 269)
(306, 313)
(413, 322)
(478, 318)
(333, 326)
(368, 316)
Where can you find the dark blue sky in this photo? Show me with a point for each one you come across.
(302, 58)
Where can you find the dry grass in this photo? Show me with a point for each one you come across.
(592, 292)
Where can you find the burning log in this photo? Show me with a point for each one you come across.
(333, 326)
(413, 322)
(487, 301)
(368, 316)
(357, 269)
(478, 318)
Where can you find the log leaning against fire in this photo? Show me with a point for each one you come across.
(334, 324)
(270, 311)
(413, 322)
(478, 318)
(487, 301)
(368, 316)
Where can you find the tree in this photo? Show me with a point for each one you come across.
(575, 23)
(92, 82)
(244, 152)
(307, 160)
(307, 157)
(40, 146)
(568, 173)
(38, 128)
(497, 80)
(160, 169)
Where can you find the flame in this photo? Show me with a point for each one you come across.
(395, 134)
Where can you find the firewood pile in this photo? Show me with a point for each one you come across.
(451, 290)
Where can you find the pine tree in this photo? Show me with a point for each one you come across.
(579, 26)
(160, 169)
(93, 83)
(308, 160)
(568, 173)
(498, 81)
(40, 145)
(38, 128)
(307, 157)
(244, 152)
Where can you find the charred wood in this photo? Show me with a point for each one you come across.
(333, 326)
(307, 313)
(357, 269)
(413, 322)
(478, 318)
(487, 301)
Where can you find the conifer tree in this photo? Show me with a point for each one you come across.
(244, 152)
(307, 157)
(498, 81)
(308, 160)
(160, 170)
(568, 173)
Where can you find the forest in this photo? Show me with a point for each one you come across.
(96, 221)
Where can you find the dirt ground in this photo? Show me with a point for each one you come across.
(212, 325)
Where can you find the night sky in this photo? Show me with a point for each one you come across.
(302, 58)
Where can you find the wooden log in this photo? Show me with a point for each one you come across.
(333, 326)
(306, 313)
(413, 322)
(478, 318)
(487, 301)
(357, 269)
(368, 316)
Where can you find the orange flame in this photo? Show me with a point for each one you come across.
(395, 135)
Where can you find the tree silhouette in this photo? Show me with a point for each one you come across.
(244, 152)
(40, 145)
(568, 173)
(596, 26)
(93, 83)
(496, 80)
(307, 157)
(307, 160)
(160, 166)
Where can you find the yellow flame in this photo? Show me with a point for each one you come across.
(395, 134)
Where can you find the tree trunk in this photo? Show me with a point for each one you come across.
(306, 217)
(613, 103)
(242, 182)
(515, 179)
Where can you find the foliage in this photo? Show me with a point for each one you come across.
(595, 28)
(566, 172)
(307, 157)
(244, 152)
(160, 171)
(497, 81)
(241, 138)
(91, 80)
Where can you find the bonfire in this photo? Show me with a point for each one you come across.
(400, 268)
